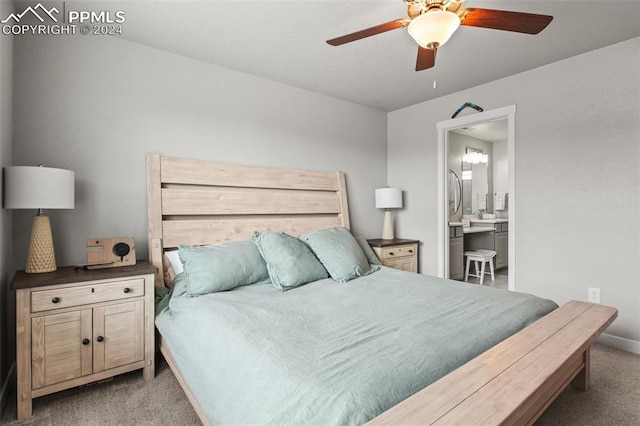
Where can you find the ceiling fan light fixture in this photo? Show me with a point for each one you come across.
(433, 28)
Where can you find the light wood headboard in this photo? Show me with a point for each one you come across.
(202, 202)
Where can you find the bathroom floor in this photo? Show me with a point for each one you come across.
(501, 281)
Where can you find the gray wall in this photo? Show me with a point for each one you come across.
(501, 171)
(7, 301)
(97, 105)
(577, 152)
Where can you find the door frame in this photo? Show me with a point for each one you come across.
(509, 113)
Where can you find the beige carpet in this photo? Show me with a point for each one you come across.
(614, 399)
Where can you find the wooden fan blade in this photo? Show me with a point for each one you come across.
(382, 28)
(528, 23)
(426, 58)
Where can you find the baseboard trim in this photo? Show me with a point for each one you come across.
(6, 388)
(620, 343)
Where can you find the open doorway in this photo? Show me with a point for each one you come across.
(476, 196)
(478, 192)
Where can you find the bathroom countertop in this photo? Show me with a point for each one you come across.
(492, 221)
(477, 229)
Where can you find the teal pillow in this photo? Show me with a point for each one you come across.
(368, 251)
(289, 261)
(209, 269)
(340, 253)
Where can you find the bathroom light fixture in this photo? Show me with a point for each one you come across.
(388, 198)
(475, 157)
(432, 29)
(39, 188)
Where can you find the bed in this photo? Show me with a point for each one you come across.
(330, 350)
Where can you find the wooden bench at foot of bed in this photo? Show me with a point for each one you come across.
(516, 380)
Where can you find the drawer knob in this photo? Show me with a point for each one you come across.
(127, 289)
(85, 341)
(100, 339)
(390, 253)
(55, 300)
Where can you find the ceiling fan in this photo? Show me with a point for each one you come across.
(432, 22)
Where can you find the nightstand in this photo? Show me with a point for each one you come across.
(76, 326)
(397, 253)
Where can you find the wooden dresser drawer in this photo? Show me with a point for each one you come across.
(46, 300)
(399, 251)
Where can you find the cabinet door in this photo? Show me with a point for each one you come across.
(502, 249)
(409, 264)
(456, 258)
(392, 263)
(61, 347)
(118, 335)
(403, 263)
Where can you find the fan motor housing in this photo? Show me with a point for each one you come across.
(418, 7)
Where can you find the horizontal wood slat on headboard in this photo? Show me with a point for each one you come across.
(196, 172)
(200, 232)
(211, 202)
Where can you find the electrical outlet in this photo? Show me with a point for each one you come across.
(593, 295)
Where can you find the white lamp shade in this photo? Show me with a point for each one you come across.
(29, 187)
(388, 198)
(433, 28)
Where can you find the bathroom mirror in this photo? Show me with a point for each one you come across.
(455, 192)
(475, 182)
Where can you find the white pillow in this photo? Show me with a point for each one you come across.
(172, 266)
(174, 259)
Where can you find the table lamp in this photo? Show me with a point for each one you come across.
(388, 198)
(28, 187)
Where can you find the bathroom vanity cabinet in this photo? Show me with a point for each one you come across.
(496, 239)
(456, 253)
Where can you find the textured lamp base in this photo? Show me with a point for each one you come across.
(41, 256)
(387, 230)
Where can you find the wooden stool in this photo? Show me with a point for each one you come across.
(483, 256)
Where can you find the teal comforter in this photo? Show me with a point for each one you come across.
(331, 353)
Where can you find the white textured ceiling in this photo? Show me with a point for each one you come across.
(284, 41)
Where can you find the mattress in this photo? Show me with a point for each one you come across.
(330, 353)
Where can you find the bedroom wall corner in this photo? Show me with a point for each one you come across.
(577, 177)
(7, 301)
(98, 105)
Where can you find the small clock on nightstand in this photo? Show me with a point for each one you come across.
(397, 253)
